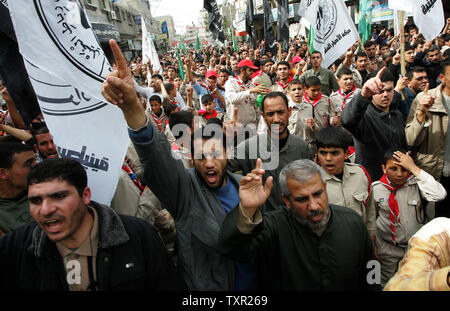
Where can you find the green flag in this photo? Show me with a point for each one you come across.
(365, 19)
(234, 41)
(219, 49)
(182, 45)
(180, 64)
(311, 40)
(197, 45)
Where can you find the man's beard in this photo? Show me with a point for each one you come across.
(313, 226)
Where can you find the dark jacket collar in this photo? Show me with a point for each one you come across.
(111, 231)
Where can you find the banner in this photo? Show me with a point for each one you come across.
(182, 45)
(12, 69)
(235, 48)
(365, 19)
(66, 67)
(197, 44)
(283, 23)
(333, 29)
(180, 65)
(269, 37)
(215, 20)
(428, 15)
(249, 23)
(148, 49)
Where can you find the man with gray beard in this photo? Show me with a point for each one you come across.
(310, 245)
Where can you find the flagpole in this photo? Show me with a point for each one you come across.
(402, 48)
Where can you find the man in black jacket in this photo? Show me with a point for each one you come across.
(309, 245)
(77, 244)
(375, 126)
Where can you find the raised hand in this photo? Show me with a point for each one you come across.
(425, 103)
(118, 89)
(402, 83)
(405, 161)
(252, 192)
(374, 85)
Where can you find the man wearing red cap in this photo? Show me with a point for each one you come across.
(241, 93)
(208, 88)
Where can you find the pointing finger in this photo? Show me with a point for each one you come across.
(380, 73)
(258, 164)
(119, 58)
(427, 87)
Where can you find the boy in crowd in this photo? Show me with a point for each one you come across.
(400, 198)
(347, 89)
(318, 110)
(158, 117)
(299, 110)
(348, 184)
(209, 111)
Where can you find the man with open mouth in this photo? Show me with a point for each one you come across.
(79, 245)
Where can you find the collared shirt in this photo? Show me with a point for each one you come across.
(353, 191)
(201, 90)
(339, 99)
(321, 112)
(409, 205)
(78, 258)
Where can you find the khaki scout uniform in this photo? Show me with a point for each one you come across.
(339, 100)
(411, 215)
(237, 94)
(321, 113)
(353, 191)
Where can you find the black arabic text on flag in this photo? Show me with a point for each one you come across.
(283, 24)
(215, 21)
(249, 23)
(270, 43)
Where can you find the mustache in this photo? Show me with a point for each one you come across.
(315, 213)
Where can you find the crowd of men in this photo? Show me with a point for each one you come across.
(246, 170)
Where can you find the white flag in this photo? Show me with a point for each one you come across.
(334, 30)
(57, 36)
(148, 49)
(402, 5)
(66, 67)
(428, 15)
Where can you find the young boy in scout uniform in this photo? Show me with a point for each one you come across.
(316, 111)
(400, 200)
(348, 184)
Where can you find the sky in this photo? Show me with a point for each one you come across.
(184, 12)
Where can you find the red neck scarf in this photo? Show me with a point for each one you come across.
(208, 90)
(208, 116)
(128, 168)
(285, 85)
(393, 205)
(344, 97)
(158, 120)
(314, 104)
(241, 83)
